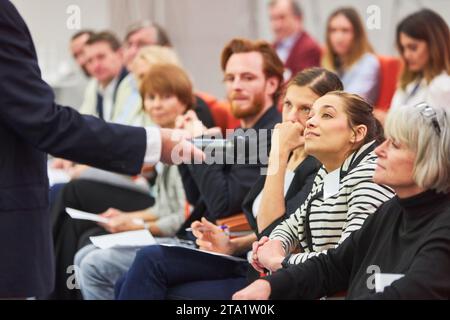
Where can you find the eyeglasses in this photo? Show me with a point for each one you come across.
(429, 113)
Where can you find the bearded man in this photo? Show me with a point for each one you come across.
(253, 75)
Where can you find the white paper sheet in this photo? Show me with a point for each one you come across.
(139, 238)
(81, 215)
(226, 256)
(383, 280)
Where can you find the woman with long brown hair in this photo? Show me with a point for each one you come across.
(423, 40)
(350, 54)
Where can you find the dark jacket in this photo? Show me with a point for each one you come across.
(218, 190)
(305, 53)
(32, 125)
(409, 236)
(297, 193)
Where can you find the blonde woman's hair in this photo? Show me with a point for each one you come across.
(427, 133)
(155, 54)
(360, 45)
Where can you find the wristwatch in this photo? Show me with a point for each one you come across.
(285, 263)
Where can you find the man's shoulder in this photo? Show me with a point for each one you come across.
(306, 43)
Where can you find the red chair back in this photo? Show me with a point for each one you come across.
(389, 72)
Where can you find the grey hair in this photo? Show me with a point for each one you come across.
(432, 164)
(295, 7)
(162, 38)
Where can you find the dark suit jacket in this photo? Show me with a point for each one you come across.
(218, 190)
(305, 53)
(32, 125)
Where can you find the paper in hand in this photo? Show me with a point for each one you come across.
(81, 215)
(139, 238)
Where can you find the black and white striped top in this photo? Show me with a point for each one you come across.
(332, 220)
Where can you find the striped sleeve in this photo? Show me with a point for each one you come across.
(289, 230)
(363, 197)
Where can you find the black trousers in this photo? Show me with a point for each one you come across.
(70, 235)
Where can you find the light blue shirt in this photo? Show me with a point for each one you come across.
(285, 46)
(363, 78)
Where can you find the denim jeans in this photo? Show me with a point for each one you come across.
(97, 270)
(161, 272)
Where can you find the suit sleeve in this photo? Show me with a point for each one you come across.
(27, 108)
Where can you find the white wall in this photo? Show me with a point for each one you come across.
(47, 21)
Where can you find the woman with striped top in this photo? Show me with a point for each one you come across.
(403, 250)
(341, 133)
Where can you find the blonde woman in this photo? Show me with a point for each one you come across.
(128, 108)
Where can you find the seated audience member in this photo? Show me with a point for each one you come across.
(147, 56)
(128, 102)
(340, 133)
(253, 74)
(172, 92)
(127, 108)
(77, 44)
(295, 47)
(103, 54)
(423, 43)
(349, 54)
(408, 236)
(287, 158)
(289, 165)
(100, 56)
(99, 284)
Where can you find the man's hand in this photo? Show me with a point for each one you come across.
(76, 171)
(258, 290)
(194, 127)
(211, 237)
(191, 124)
(59, 163)
(176, 149)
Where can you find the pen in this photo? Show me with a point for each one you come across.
(223, 227)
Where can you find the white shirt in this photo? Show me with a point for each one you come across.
(154, 145)
(284, 47)
(288, 177)
(108, 99)
(436, 93)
